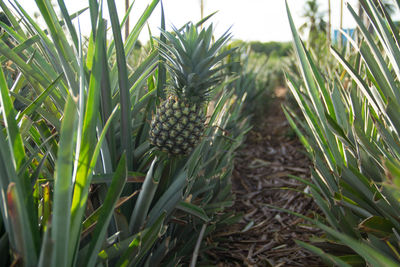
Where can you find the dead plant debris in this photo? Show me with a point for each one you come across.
(265, 236)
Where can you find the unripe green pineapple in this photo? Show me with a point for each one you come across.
(194, 64)
(177, 127)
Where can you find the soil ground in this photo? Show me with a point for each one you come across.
(266, 236)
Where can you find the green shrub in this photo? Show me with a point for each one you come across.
(281, 49)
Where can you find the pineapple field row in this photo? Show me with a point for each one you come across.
(182, 152)
(262, 179)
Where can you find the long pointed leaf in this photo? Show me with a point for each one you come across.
(126, 143)
(63, 186)
(107, 209)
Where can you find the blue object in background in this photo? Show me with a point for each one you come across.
(336, 33)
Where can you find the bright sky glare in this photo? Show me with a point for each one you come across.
(251, 20)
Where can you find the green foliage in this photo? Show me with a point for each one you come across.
(276, 49)
(193, 61)
(349, 126)
(257, 75)
(268, 62)
(315, 22)
(80, 184)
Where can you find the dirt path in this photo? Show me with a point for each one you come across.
(261, 177)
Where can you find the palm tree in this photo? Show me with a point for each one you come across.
(329, 21)
(315, 22)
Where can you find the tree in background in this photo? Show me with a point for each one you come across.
(329, 26)
(316, 27)
(314, 19)
(278, 49)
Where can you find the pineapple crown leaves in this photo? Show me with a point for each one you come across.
(194, 61)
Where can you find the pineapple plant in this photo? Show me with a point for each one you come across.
(194, 64)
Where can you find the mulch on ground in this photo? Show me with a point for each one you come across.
(266, 236)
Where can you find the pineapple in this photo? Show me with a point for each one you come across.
(194, 64)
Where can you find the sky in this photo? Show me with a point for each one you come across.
(251, 20)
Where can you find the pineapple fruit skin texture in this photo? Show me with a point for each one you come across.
(194, 62)
(177, 126)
